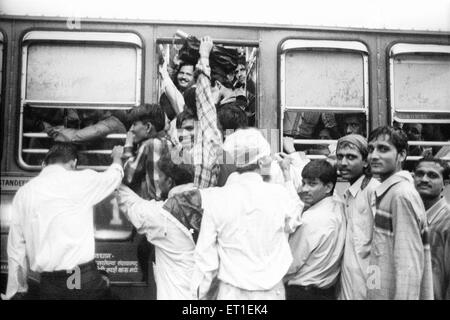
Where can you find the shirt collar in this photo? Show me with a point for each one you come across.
(325, 201)
(52, 168)
(394, 179)
(355, 187)
(434, 212)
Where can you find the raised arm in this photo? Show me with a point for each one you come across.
(173, 94)
(206, 153)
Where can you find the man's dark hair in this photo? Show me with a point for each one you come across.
(190, 106)
(180, 173)
(396, 136)
(322, 170)
(61, 152)
(444, 165)
(231, 117)
(154, 114)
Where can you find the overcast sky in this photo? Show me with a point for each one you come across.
(391, 14)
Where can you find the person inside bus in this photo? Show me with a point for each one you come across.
(244, 88)
(42, 120)
(430, 177)
(323, 149)
(354, 123)
(95, 125)
(318, 243)
(303, 125)
(351, 154)
(197, 125)
(400, 236)
(171, 98)
(52, 230)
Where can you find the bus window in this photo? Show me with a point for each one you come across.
(237, 87)
(324, 92)
(79, 87)
(420, 99)
(76, 86)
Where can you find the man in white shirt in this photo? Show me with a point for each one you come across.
(245, 225)
(317, 244)
(352, 151)
(52, 227)
(167, 225)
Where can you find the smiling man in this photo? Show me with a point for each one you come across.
(351, 154)
(317, 244)
(429, 178)
(400, 260)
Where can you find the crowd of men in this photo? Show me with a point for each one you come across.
(231, 220)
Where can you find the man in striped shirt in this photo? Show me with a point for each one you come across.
(400, 258)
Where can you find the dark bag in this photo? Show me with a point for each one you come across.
(222, 60)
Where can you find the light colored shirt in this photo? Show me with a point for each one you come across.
(358, 240)
(52, 225)
(243, 234)
(317, 245)
(438, 217)
(400, 258)
(174, 245)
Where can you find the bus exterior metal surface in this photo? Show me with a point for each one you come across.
(116, 243)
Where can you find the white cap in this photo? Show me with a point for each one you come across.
(245, 147)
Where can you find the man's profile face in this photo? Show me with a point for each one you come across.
(141, 131)
(353, 125)
(428, 179)
(165, 184)
(313, 191)
(185, 77)
(350, 163)
(241, 73)
(383, 157)
(186, 134)
(414, 131)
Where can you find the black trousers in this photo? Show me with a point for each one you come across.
(87, 284)
(309, 293)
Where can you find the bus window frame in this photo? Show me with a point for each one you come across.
(329, 46)
(89, 38)
(224, 42)
(399, 48)
(3, 41)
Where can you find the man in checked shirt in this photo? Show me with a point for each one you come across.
(400, 258)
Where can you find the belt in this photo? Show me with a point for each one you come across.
(312, 288)
(84, 267)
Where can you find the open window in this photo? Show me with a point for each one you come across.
(237, 87)
(79, 87)
(324, 89)
(420, 97)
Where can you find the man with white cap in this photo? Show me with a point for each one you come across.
(243, 236)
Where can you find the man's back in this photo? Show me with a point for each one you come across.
(55, 210)
(249, 216)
